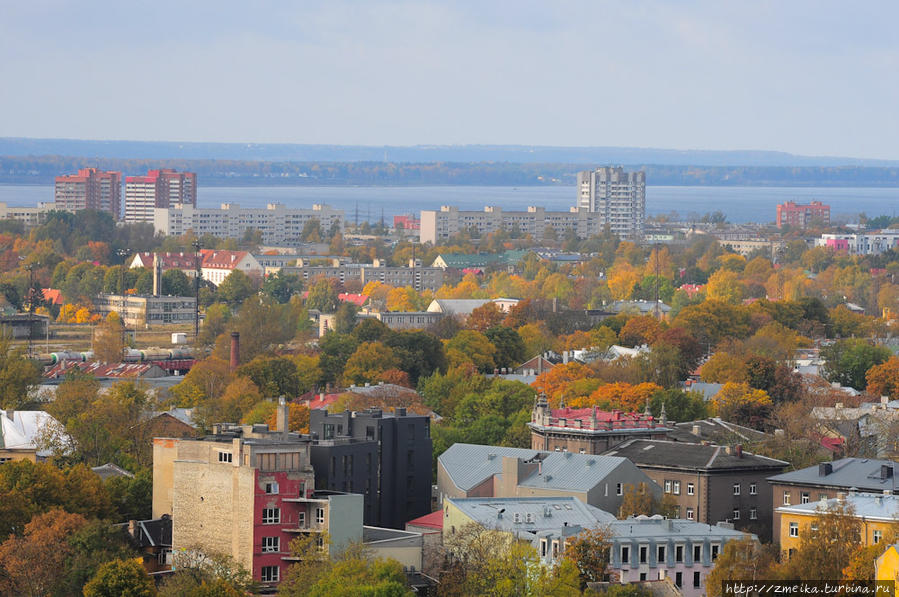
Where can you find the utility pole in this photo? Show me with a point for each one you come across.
(122, 253)
(30, 295)
(197, 272)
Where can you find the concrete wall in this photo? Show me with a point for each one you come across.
(164, 451)
(344, 520)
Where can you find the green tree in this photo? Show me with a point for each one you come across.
(176, 283)
(368, 362)
(475, 347)
(509, 346)
(236, 288)
(848, 361)
(336, 349)
(274, 376)
(120, 578)
(679, 406)
(589, 551)
(323, 297)
(18, 375)
(214, 323)
(743, 559)
(281, 286)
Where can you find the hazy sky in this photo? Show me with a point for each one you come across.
(810, 77)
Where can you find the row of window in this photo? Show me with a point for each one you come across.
(876, 536)
(674, 487)
(661, 551)
(804, 497)
(273, 516)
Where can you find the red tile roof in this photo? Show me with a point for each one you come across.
(222, 259)
(434, 520)
(170, 260)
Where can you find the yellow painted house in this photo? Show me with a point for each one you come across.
(877, 513)
(887, 565)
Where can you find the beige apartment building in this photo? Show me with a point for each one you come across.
(437, 226)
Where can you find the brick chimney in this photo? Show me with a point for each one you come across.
(283, 416)
(235, 350)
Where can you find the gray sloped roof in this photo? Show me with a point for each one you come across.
(546, 513)
(660, 528)
(456, 306)
(650, 452)
(468, 465)
(861, 473)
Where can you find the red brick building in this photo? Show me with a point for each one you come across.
(90, 189)
(801, 216)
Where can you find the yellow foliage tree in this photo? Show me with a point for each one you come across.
(619, 396)
(724, 285)
(402, 299)
(555, 382)
(622, 279)
(723, 367)
(739, 403)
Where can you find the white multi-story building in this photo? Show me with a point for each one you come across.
(159, 188)
(437, 226)
(618, 196)
(29, 216)
(277, 223)
(872, 243)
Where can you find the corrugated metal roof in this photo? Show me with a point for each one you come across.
(868, 505)
(532, 514)
(860, 473)
(468, 465)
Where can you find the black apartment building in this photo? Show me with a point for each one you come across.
(387, 453)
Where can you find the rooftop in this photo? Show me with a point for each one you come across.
(19, 429)
(859, 473)
(531, 514)
(469, 465)
(659, 527)
(650, 452)
(875, 506)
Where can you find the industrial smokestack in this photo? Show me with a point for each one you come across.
(157, 275)
(283, 416)
(235, 350)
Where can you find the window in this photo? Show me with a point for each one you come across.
(660, 553)
(696, 581)
(753, 489)
(644, 554)
(678, 553)
(224, 456)
(271, 515)
(822, 496)
(794, 529)
(677, 488)
(736, 514)
(529, 517)
(271, 488)
(320, 515)
(878, 535)
(753, 514)
(555, 549)
(697, 553)
(690, 489)
(803, 497)
(301, 519)
(714, 551)
(689, 513)
(543, 548)
(786, 498)
(642, 576)
(679, 579)
(270, 574)
(736, 489)
(618, 489)
(625, 554)
(667, 486)
(271, 544)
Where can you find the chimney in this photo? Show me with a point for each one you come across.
(739, 450)
(564, 355)
(884, 400)
(824, 469)
(235, 350)
(886, 471)
(157, 275)
(283, 416)
(696, 431)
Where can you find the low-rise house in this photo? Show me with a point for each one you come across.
(20, 432)
(829, 479)
(218, 265)
(588, 430)
(650, 548)
(145, 311)
(523, 518)
(873, 425)
(709, 483)
(878, 515)
(469, 470)
(403, 320)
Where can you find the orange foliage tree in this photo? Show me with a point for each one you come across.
(297, 418)
(619, 396)
(556, 382)
(883, 379)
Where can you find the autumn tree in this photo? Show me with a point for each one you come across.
(323, 296)
(368, 362)
(643, 329)
(236, 288)
(723, 367)
(883, 379)
(121, 578)
(641, 499)
(297, 418)
(827, 545)
(484, 317)
(475, 347)
(724, 285)
(589, 551)
(742, 560)
(109, 340)
(741, 404)
(31, 563)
